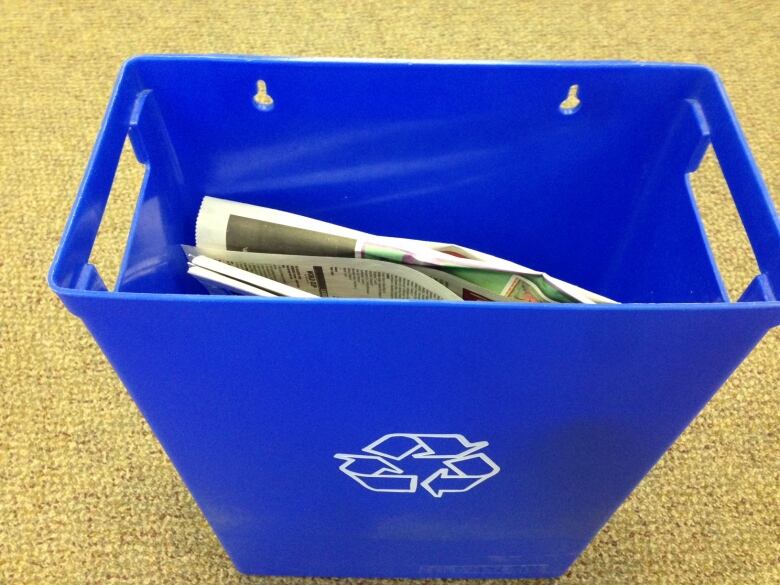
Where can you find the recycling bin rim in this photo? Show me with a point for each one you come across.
(387, 303)
(746, 185)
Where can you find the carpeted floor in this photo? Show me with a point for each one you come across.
(87, 495)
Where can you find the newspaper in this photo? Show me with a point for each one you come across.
(322, 276)
(231, 226)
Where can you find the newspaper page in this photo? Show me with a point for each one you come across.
(233, 226)
(333, 277)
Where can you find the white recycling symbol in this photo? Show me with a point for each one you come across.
(380, 466)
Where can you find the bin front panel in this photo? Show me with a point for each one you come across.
(255, 401)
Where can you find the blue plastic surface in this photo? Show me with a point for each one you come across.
(260, 403)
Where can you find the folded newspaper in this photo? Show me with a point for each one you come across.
(252, 250)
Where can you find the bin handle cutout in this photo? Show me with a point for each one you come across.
(71, 267)
(748, 190)
(106, 254)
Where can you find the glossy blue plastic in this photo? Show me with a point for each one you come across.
(252, 398)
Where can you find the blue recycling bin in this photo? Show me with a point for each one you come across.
(384, 438)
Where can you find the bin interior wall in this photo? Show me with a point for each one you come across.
(597, 197)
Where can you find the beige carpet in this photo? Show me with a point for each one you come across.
(86, 494)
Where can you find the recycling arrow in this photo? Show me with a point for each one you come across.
(386, 477)
(464, 465)
(453, 478)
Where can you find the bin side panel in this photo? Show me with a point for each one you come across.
(252, 401)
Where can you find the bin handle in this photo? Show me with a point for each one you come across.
(71, 268)
(748, 190)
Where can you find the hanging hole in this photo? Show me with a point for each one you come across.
(262, 100)
(572, 102)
